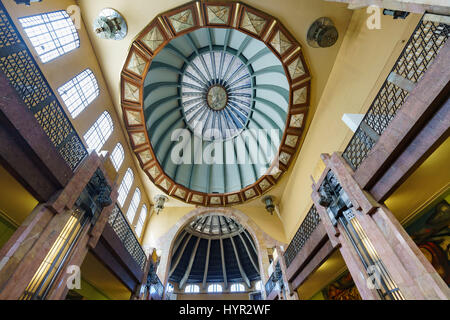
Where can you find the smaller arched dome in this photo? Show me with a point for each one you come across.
(214, 249)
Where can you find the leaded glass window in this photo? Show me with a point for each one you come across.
(52, 34)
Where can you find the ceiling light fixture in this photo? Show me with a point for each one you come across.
(160, 199)
(110, 24)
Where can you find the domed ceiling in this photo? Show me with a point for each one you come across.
(214, 98)
(211, 249)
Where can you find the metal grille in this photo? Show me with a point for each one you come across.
(123, 230)
(24, 75)
(416, 57)
(302, 235)
(274, 278)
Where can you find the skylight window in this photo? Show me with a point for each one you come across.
(79, 92)
(125, 186)
(117, 156)
(192, 288)
(100, 131)
(140, 223)
(52, 34)
(134, 205)
(214, 288)
(237, 287)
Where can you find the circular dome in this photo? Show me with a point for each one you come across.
(214, 102)
(214, 225)
(228, 92)
(214, 248)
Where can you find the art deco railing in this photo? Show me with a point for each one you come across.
(302, 235)
(23, 73)
(275, 277)
(418, 54)
(126, 235)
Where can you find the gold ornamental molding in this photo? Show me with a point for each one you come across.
(187, 18)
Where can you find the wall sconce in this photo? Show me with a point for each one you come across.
(270, 206)
(160, 199)
(269, 202)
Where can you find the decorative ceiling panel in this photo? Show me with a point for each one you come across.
(136, 84)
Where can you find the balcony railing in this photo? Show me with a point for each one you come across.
(302, 235)
(275, 277)
(418, 54)
(126, 235)
(23, 73)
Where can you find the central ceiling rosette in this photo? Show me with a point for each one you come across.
(214, 99)
(216, 89)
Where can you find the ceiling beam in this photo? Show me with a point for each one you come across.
(249, 254)
(205, 223)
(189, 267)
(224, 271)
(178, 242)
(205, 274)
(241, 270)
(251, 241)
(180, 255)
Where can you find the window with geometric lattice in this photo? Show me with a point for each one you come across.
(52, 34)
(79, 92)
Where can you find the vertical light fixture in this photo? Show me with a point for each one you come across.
(160, 199)
(270, 206)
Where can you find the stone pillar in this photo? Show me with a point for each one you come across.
(141, 291)
(410, 271)
(22, 255)
(290, 294)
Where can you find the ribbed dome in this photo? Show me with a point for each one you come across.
(214, 248)
(215, 98)
(218, 83)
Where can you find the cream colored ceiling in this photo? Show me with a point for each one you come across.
(296, 15)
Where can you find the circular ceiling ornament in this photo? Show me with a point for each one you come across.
(109, 24)
(230, 70)
(217, 97)
(216, 100)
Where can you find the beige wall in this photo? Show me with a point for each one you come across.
(425, 184)
(16, 203)
(363, 62)
(64, 68)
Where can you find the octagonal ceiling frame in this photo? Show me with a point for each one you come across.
(165, 27)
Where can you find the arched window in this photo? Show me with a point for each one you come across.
(125, 186)
(214, 288)
(237, 287)
(79, 92)
(134, 205)
(52, 34)
(117, 156)
(192, 288)
(169, 288)
(258, 286)
(100, 131)
(141, 220)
